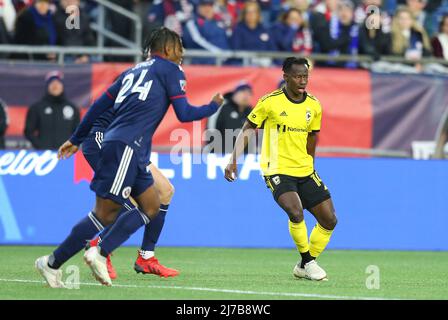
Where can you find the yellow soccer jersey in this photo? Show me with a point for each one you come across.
(286, 126)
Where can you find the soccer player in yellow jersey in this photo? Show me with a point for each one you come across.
(291, 119)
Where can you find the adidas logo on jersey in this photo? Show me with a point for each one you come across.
(283, 114)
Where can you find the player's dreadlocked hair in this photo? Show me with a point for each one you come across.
(158, 39)
(290, 61)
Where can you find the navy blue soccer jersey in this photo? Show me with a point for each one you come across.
(142, 102)
(103, 122)
(144, 95)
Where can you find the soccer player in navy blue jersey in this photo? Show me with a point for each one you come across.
(146, 261)
(144, 95)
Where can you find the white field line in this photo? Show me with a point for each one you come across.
(232, 291)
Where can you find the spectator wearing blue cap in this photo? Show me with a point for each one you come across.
(203, 31)
(231, 116)
(51, 120)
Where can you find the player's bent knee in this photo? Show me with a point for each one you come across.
(295, 214)
(331, 223)
(296, 218)
(334, 221)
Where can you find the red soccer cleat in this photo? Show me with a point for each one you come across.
(110, 267)
(152, 266)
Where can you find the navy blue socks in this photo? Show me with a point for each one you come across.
(82, 232)
(153, 230)
(122, 229)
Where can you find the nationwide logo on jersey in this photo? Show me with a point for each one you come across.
(183, 85)
(308, 116)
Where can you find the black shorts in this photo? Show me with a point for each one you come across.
(311, 189)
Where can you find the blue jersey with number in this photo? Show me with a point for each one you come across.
(143, 100)
(133, 107)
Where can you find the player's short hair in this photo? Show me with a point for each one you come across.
(158, 39)
(290, 61)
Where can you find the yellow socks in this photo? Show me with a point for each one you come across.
(318, 240)
(299, 234)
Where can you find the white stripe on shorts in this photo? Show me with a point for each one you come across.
(99, 138)
(122, 170)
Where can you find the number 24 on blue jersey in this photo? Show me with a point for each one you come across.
(138, 87)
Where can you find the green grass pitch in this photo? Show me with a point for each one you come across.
(218, 273)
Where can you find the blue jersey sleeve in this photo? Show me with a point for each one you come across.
(185, 112)
(102, 104)
(175, 82)
(176, 89)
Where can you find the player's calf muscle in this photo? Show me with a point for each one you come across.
(166, 192)
(149, 202)
(163, 185)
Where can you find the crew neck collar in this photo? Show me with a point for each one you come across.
(305, 95)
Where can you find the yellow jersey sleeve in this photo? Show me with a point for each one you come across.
(259, 113)
(317, 119)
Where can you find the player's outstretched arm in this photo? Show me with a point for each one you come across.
(248, 129)
(185, 112)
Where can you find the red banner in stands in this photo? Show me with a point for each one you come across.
(345, 96)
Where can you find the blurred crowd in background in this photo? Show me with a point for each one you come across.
(411, 29)
(406, 29)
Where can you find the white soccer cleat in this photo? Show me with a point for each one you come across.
(98, 265)
(299, 272)
(53, 277)
(314, 272)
